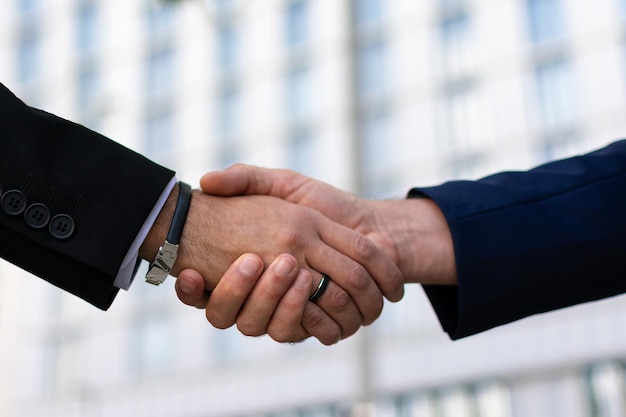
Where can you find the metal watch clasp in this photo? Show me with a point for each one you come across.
(162, 264)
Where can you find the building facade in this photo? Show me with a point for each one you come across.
(373, 96)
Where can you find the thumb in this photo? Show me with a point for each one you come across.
(190, 288)
(241, 179)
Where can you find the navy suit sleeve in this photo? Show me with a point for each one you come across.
(106, 191)
(535, 241)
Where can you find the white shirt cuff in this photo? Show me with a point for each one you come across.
(126, 272)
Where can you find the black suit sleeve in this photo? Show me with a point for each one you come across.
(530, 242)
(98, 195)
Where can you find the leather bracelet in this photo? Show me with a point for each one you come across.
(164, 261)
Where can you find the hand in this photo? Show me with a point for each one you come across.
(274, 302)
(412, 232)
(219, 229)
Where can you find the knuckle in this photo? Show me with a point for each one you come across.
(312, 319)
(282, 336)
(360, 280)
(340, 301)
(249, 329)
(364, 248)
(216, 321)
(374, 311)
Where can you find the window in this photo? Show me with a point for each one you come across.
(28, 59)
(456, 402)
(545, 19)
(456, 45)
(27, 5)
(160, 68)
(161, 15)
(372, 67)
(377, 154)
(452, 4)
(154, 346)
(228, 112)
(468, 121)
(88, 87)
(607, 390)
(87, 26)
(303, 153)
(299, 94)
(297, 23)
(224, 5)
(228, 47)
(368, 10)
(159, 131)
(556, 91)
(493, 399)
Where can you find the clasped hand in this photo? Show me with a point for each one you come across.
(292, 229)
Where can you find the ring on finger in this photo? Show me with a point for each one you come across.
(321, 288)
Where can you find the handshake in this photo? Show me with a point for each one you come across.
(276, 252)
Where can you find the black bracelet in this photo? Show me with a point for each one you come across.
(164, 261)
(180, 213)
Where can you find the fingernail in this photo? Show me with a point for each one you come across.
(302, 281)
(187, 287)
(284, 267)
(249, 266)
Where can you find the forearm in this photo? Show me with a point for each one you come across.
(421, 243)
(104, 191)
(529, 242)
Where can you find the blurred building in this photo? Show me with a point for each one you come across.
(373, 96)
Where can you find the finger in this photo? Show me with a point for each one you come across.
(190, 288)
(231, 291)
(338, 304)
(245, 179)
(319, 324)
(254, 317)
(350, 276)
(286, 322)
(386, 274)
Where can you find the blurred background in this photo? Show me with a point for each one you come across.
(373, 96)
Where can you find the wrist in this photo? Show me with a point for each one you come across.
(158, 232)
(422, 240)
(167, 253)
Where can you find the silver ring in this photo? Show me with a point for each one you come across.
(321, 288)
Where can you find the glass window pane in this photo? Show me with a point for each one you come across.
(160, 70)
(372, 67)
(28, 59)
(299, 94)
(456, 402)
(88, 86)
(493, 400)
(302, 153)
(25, 5)
(228, 112)
(161, 15)
(556, 91)
(228, 47)
(378, 151)
(368, 10)
(545, 19)
(607, 390)
(297, 22)
(154, 347)
(456, 45)
(87, 26)
(159, 133)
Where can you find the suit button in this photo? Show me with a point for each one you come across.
(62, 226)
(13, 202)
(37, 215)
